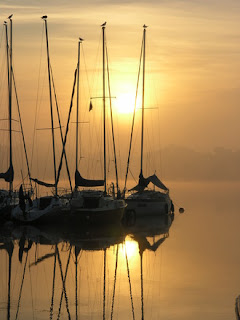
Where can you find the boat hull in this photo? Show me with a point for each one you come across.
(59, 211)
(94, 207)
(104, 216)
(45, 209)
(149, 204)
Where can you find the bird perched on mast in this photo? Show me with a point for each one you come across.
(44, 17)
(144, 26)
(80, 39)
(104, 24)
(10, 16)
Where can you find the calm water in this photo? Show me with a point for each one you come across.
(150, 271)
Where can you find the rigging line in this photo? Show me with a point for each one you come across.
(60, 126)
(20, 292)
(36, 107)
(31, 289)
(66, 132)
(21, 126)
(94, 133)
(134, 112)
(1, 38)
(39, 129)
(132, 175)
(8, 119)
(51, 108)
(129, 280)
(11, 130)
(53, 286)
(63, 283)
(114, 285)
(89, 91)
(96, 70)
(113, 137)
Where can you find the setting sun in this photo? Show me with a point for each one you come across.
(124, 103)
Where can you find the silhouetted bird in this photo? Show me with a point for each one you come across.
(144, 26)
(81, 39)
(10, 16)
(5, 22)
(104, 24)
(44, 17)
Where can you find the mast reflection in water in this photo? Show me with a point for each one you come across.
(50, 273)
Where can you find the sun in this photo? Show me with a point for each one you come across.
(124, 103)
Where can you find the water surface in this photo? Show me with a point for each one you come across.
(153, 270)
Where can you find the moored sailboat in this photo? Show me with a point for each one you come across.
(143, 201)
(43, 209)
(96, 206)
(9, 198)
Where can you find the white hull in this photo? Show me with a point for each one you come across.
(149, 203)
(39, 211)
(96, 207)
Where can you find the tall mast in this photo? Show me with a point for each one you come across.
(10, 102)
(51, 109)
(7, 49)
(77, 116)
(144, 40)
(104, 109)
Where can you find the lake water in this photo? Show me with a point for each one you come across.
(189, 270)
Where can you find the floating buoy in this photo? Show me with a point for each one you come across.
(181, 210)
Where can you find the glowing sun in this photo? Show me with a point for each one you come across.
(124, 103)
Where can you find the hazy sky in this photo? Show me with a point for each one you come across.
(192, 72)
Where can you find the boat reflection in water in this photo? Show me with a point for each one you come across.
(72, 273)
(237, 307)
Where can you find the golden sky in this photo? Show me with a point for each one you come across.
(192, 64)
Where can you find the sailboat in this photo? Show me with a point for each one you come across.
(143, 201)
(9, 198)
(91, 205)
(47, 208)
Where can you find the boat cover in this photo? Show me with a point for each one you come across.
(143, 183)
(81, 182)
(42, 183)
(8, 175)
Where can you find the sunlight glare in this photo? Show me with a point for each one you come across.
(125, 103)
(132, 248)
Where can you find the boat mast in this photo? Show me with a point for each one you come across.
(104, 108)
(9, 63)
(77, 116)
(7, 49)
(144, 40)
(51, 109)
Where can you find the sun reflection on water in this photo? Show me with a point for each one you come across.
(131, 248)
